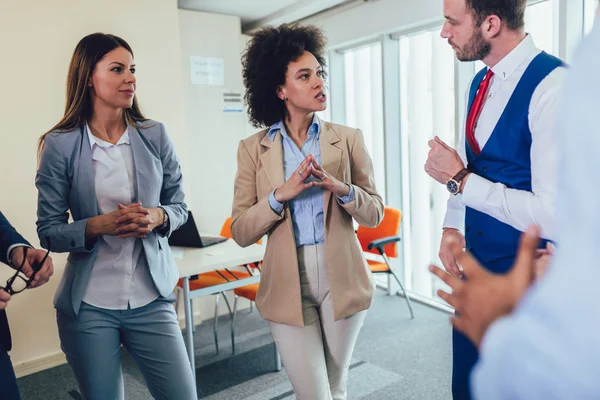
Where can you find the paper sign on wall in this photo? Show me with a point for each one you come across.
(207, 71)
(232, 101)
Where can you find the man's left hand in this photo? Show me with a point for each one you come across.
(33, 257)
(482, 297)
(443, 162)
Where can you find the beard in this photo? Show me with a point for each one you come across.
(477, 48)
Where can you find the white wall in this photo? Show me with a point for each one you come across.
(39, 38)
(213, 134)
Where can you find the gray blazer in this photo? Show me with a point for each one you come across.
(65, 183)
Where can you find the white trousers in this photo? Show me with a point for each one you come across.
(317, 356)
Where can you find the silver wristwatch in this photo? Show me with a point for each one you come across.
(453, 185)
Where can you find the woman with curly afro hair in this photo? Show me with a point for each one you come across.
(302, 181)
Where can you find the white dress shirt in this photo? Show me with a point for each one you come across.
(549, 348)
(517, 208)
(120, 277)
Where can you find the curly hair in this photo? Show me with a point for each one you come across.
(265, 62)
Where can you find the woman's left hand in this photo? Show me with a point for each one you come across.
(138, 221)
(329, 182)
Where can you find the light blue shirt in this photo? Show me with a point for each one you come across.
(307, 208)
(549, 348)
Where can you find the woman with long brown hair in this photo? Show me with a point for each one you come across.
(118, 176)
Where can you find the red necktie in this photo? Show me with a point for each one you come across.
(476, 110)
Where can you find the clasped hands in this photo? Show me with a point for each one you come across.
(132, 220)
(297, 182)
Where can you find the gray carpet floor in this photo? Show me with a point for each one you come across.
(395, 358)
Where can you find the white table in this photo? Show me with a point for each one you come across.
(193, 261)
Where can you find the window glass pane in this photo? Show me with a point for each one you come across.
(539, 23)
(427, 98)
(589, 15)
(326, 114)
(364, 103)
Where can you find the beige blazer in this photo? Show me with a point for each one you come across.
(260, 171)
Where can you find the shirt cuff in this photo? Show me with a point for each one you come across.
(349, 198)
(476, 191)
(276, 206)
(10, 249)
(455, 218)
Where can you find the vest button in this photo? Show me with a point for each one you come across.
(479, 233)
(72, 243)
(467, 229)
(484, 169)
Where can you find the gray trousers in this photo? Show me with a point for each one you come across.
(151, 334)
(317, 356)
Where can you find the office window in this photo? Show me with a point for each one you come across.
(364, 102)
(427, 101)
(589, 15)
(539, 22)
(326, 114)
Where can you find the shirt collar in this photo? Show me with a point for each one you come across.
(124, 139)
(515, 58)
(315, 128)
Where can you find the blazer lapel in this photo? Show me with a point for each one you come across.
(272, 163)
(86, 181)
(143, 167)
(331, 156)
(272, 160)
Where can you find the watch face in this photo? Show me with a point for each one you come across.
(452, 186)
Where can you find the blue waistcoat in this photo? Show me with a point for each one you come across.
(506, 159)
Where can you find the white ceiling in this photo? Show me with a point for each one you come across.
(262, 12)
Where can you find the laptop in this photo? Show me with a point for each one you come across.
(188, 236)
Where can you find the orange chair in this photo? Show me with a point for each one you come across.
(383, 241)
(214, 278)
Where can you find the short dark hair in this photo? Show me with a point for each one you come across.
(265, 62)
(512, 12)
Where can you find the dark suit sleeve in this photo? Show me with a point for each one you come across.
(8, 237)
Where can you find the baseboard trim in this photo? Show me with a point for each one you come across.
(40, 364)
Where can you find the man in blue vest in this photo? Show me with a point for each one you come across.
(503, 177)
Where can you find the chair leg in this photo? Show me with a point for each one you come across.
(233, 324)
(216, 323)
(251, 307)
(192, 311)
(412, 315)
(228, 306)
